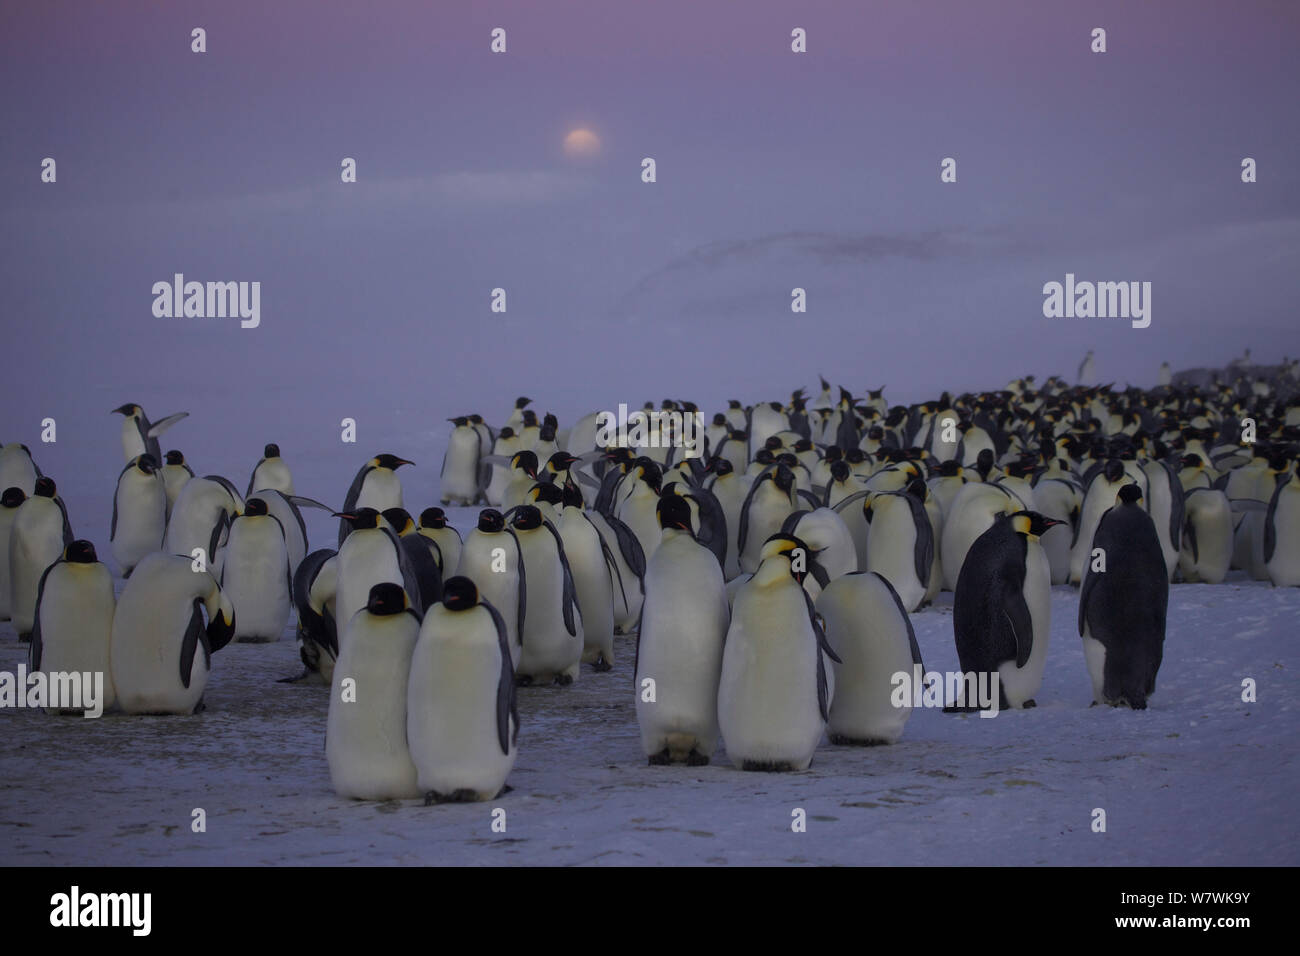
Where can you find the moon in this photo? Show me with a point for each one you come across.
(581, 143)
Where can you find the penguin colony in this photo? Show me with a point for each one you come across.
(768, 574)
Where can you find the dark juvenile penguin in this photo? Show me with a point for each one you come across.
(1122, 609)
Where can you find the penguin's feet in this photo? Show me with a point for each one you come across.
(844, 741)
(456, 796)
(1028, 704)
(564, 680)
(200, 707)
(661, 759)
(696, 759)
(523, 680)
(766, 766)
(601, 665)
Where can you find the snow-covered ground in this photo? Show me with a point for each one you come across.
(1198, 778)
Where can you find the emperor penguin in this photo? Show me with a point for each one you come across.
(868, 627)
(201, 517)
(423, 556)
(516, 419)
(139, 435)
(771, 499)
(551, 634)
(776, 688)
(459, 478)
(974, 509)
(366, 742)
(158, 632)
(433, 525)
(10, 501)
(901, 543)
(730, 491)
(376, 486)
(17, 470)
(139, 513)
(74, 621)
(1165, 500)
(256, 574)
(1002, 608)
(1097, 500)
(679, 645)
(491, 558)
(371, 554)
(462, 722)
(1087, 370)
(523, 475)
(314, 592)
(1207, 536)
(765, 420)
(1122, 610)
(827, 534)
(270, 472)
(644, 484)
(499, 475)
(1058, 499)
(1282, 533)
(1166, 377)
(39, 534)
(629, 568)
(175, 473)
(592, 566)
(286, 509)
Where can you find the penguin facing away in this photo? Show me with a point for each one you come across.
(1123, 609)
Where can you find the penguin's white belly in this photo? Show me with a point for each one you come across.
(33, 546)
(141, 520)
(1021, 683)
(381, 490)
(767, 512)
(146, 655)
(547, 648)
(460, 468)
(77, 623)
(1284, 566)
(683, 627)
(591, 582)
(255, 578)
(273, 474)
(891, 551)
(639, 514)
(365, 739)
(363, 563)
(767, 695)
(1094, 653)
(452, 721)
(498, 588)
(870, 635)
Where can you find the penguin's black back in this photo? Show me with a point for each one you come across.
(1125, 606)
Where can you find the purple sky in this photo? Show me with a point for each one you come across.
(775, 170)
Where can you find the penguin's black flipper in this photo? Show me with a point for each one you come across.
(628, 546)
(614, 573)
(157, 428)
(350, 501)
(425, 569)
(1015, 612)
(67, 526)
(844, 502)
(823, 688)
(743, 531)
(506, 705)
(523, 582)
(923, 552)
(713, 523)
(36, 647)
(809, 497)
(911, 632)
(194, 634)
(304, 502)
(570, 600)
(1178, 506)
(1270, 533)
